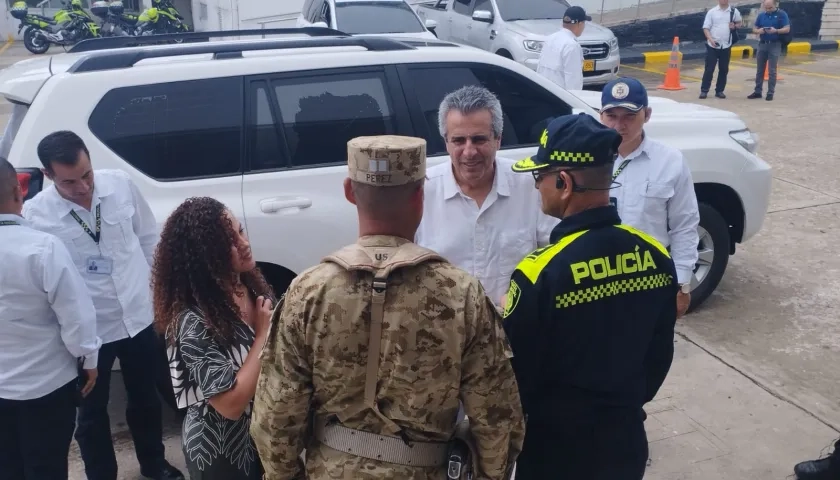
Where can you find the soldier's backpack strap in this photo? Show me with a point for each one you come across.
(380, 261)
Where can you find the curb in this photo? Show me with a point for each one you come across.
(746, 49)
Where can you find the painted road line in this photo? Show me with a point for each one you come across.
(9, 41)
(650, 70)
(799, 72)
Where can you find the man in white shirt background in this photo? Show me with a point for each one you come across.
(656, 192)
(561, 58)
(47, 326)
(111, 234)
(720, 24)
(477, 213)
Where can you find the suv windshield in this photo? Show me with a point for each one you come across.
(376, 17)
(511, 10)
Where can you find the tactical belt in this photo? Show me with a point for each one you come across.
(383, 448)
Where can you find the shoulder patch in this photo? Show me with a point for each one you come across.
(647, 238)
(532, 265)
(512, 298)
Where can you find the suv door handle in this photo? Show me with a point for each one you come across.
(274, 205)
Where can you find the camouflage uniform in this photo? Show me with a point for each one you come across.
(442, 341)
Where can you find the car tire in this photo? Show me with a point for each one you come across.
(713, 248)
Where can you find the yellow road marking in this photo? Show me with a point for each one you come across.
(800, 72)
(8, 44)
(825, 55)
(650, 70)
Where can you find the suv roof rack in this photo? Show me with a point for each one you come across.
(113, 59)
(105, 43)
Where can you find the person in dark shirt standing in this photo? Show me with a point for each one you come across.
(590, 317)
(769, 25)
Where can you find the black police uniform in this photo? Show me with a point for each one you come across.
(590, 318)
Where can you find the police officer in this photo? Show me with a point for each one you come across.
(590, 317)
(380, 342)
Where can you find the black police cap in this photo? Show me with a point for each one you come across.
(578, 141)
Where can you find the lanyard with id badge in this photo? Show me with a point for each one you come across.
(96, 264)
(614, 200)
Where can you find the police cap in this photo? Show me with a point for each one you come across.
(386, 160)
(577, 141)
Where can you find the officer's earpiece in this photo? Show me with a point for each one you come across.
(561, 184)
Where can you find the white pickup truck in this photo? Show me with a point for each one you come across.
(517, 29)
(262, 125)
(394, 18)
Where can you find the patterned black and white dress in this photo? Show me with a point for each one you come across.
(214, 446)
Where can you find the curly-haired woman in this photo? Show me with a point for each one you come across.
(214, 306)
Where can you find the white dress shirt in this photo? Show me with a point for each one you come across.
(657, 197)
(487, 242)
(47, 319)
(717, 23)
(128, 238)
(561, 60)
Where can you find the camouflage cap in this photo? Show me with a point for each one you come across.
(387, 160)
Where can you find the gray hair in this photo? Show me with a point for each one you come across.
(470, 99)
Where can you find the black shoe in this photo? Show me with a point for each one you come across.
(769, 97)
(703, 95)
(168, 472)
(720, 95)
(815, 470)
(754, 95)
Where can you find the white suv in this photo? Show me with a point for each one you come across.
(262, 125)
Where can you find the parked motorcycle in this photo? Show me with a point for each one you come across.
(115, 22)
(69, 25)
(161, 18)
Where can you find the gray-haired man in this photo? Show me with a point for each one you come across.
(478, 214)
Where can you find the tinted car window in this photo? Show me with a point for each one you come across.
(526, 106)
(265, 150)
(391, 17)
(176, 130)
(461, 6)
(511, 10)
(320, 114)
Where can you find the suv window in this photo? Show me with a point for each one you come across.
(319, 114)
(526, 106)
(172, 131)
(391, 17)
(461, 6)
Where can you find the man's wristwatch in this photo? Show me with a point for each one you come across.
(685, 288)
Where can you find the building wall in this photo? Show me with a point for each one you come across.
(804, 19)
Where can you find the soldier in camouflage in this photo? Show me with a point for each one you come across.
(374, 348)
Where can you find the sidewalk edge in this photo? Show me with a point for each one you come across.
(745, 50)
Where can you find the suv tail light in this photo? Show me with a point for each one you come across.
(31, 181)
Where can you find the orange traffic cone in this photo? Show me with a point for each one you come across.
(767, 73)
(672, 75)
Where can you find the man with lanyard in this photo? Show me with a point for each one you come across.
(590, 317)
(561, 58)
(47, 338)
(768, 25)
(718, 27)
(111, 234)
(655, 191)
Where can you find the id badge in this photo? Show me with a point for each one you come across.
(614, 202)
(100, 265)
